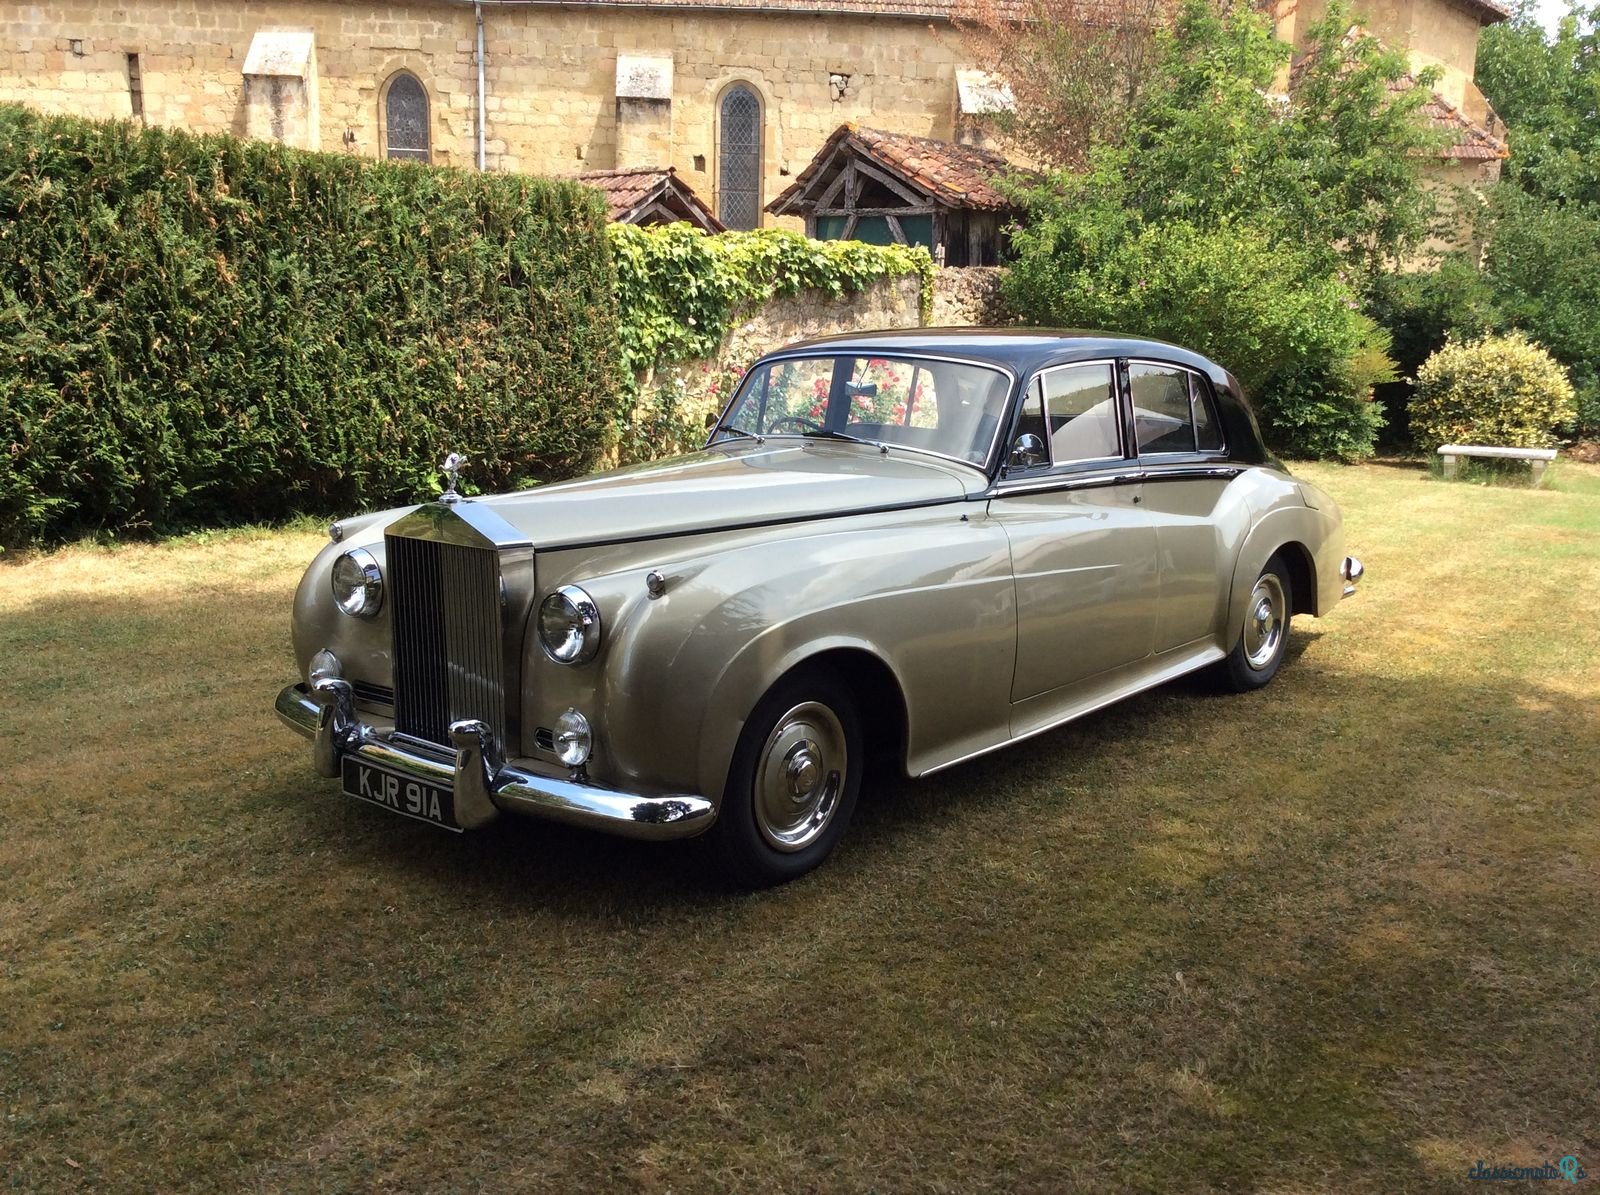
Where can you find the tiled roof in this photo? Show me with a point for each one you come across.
(1472, 140)
(631, 193)
(955, 175)
(1487, 11)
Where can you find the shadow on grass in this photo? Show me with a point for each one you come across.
(1188, 942)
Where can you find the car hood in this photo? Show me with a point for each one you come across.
(732, 485)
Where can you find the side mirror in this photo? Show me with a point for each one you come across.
(1027, 451)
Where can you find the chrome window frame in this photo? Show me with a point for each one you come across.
(1057, 471)
(912, 358)
(1195, 377)
(1202, 392)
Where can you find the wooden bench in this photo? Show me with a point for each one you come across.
(1538, 458)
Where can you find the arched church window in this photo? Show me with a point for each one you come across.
(739, 158)
(405, 123)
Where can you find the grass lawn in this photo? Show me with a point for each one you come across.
(1339, 935)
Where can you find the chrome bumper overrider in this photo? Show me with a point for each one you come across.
(1350, 571)
(483, 783)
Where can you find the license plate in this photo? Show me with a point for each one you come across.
(400, 793)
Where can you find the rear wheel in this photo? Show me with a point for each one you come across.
(1264, 635)
(793, 783)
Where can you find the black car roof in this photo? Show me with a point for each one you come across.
(1020, 349)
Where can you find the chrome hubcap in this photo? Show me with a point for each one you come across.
(1266, 623)
(800, 776)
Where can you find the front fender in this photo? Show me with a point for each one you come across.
(928, 593)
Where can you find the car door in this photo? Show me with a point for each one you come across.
(1184, 465)
(1083, 550)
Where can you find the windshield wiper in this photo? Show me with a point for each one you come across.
(827, 433)
(734, 431)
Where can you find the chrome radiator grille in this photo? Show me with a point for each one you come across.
(449, 650)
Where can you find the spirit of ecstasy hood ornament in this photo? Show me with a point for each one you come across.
(452, 470)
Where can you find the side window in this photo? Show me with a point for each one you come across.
(1162, 418)
(1029, 445)
(1207, 429)
(1081, 412)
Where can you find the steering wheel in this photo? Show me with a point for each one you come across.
(805, 425)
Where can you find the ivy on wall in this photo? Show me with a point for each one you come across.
(679, 290)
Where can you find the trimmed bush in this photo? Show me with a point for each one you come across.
(202, 330)
(1498, 390)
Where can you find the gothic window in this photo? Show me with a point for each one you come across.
(739, 158)
(405, 123)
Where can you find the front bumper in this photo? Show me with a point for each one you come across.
(483, 783)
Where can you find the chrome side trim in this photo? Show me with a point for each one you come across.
(1182, 665)
(1044, 485)
(484, 784)
(1192, 472)
(1122, 476)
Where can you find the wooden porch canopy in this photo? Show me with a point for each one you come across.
(651, 195)
(869, 185)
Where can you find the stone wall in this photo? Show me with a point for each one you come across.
(552, 75)
(968, 297)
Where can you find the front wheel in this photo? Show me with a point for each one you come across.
(1264, 636)
(793, 783)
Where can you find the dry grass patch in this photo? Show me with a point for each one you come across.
(1334, 936)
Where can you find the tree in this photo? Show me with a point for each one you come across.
(1548, 92)
(1242, 223)
(1075, 67)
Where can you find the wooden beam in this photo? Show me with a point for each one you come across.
(873, 211)
(849, 226)
(888, 180)
(852, 183)
(895, 229)
(836, 185)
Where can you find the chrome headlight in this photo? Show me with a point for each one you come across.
(569, 626)
(358, 583)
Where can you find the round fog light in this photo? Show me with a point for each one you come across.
(324, 666)
(574, 739)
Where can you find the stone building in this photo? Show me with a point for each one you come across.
(736, 95)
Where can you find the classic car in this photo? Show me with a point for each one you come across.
(910, 547)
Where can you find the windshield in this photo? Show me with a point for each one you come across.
(946, 407)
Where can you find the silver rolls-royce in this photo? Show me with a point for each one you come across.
(912, 546)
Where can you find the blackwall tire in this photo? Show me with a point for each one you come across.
(1263, 635)
(793, 783)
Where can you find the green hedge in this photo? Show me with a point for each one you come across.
(202, 330)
